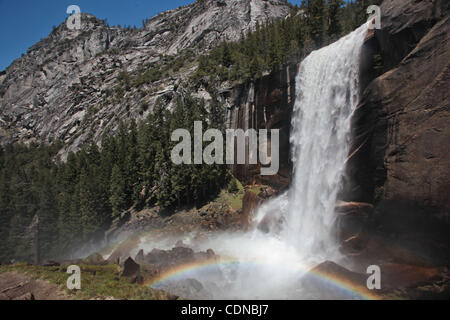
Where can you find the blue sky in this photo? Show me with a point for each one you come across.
(25, 22)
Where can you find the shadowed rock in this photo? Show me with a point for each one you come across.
(132, 270)
(320, 287)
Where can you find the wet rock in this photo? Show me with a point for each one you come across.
(271, 224)
(163, 260)
(316, 286)
(268, 193)
(351, 225)
(250, 203)
(210, 253)
(187, 289)
(50, 264)
(180, 244)
(182, 254)
(353, 245)
(157, 256)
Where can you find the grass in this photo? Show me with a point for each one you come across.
(232, 199)
(97, 282)
(256, 190)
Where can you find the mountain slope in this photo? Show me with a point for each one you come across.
(72, 85)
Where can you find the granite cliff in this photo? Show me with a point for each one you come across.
(72, 86)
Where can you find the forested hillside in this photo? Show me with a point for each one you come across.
(314, 24)
(77, 200)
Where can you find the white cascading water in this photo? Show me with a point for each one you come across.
(327, 94)
(299, 222)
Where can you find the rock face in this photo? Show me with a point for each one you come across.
(320, 289)
(67, 87)
(400, 157)
(351, 225)
(266, 103)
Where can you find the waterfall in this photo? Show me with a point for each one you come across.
(293, 232)
(327, 87)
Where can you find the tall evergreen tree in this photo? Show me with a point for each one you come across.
(118, 191)
(334, 24)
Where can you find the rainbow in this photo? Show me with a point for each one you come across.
(333, 282)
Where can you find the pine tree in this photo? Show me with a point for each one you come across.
(334, 12)
(48, 217)
(316, 11)
(5, 216)
(118, 191)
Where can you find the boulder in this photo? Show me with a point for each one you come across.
(316, 288)
(210, 254)
(187, 289)
(50, 264)
(162, 260)
(181, 254)
(132, 270)
(181, 244)
(157, 256)
(140, 258)
(95, 259)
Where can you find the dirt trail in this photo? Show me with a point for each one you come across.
(19, 286)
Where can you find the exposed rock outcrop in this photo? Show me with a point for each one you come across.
(250, 204)
(132, 271)
(266, 103)
(68, 86)
(164, 260)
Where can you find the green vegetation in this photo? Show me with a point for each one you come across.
(234, 186)
(268, 47)
(152, 72)
(256, 190)
(234, 200)
(77, 201)
(98, 282)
